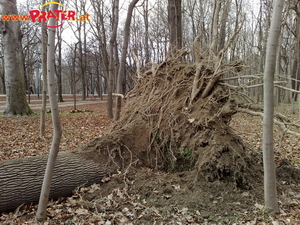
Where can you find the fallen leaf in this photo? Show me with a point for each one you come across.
(81, 211)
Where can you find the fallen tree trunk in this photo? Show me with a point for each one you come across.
(21, 179)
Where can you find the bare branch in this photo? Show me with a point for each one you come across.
(281, 125)
(288, 89)
(117, 95)
(229, 85)
(288, 78)
(258, 107)
(257, 85)
(259, 76)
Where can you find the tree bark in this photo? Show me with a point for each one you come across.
(58, 67)
(57, 128)
(73, 76)
(112, 46)
(44, 72)
(214, 26)
(146, 24)
(21, 179)
(268, 151)
(175, 26)
(223, 25)
(16, 103)
(2, 75)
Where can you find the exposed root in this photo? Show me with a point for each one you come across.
(177, 118)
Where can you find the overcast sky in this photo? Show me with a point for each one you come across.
(68, 34)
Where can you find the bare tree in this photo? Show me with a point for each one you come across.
(80, 34)
(57, 129)
(295, 56)
(112, 52)
(73, 75)
(100, 32)
(58, 66)
(214, 26)
(44, 74)
(121, 73)
(146, 24)
(175, 26)
(270, 65)
(16, 103)
(2, 70)
(223, 24)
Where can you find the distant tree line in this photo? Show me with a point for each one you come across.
(87, 52)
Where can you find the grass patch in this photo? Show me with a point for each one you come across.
(185, 160)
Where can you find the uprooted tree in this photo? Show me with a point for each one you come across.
(176, 118)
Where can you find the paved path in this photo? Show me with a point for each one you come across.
(38, 102)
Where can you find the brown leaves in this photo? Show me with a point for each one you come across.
(285, 145)
(102, 204)
(19, 137)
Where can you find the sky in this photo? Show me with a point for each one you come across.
(68, 34)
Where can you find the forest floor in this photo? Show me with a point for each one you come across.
(144, 196)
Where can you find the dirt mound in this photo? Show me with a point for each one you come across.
(177, 119)
(170, 198)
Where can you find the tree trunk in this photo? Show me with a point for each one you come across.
(223, 25)
(121, 72)
(73, 77)
(59, 65)
(99, 31)
(57, 128)
(82, 67)
(175, 27)
(16, 103)
(268, 151)
(295, 62)
(2, 75)
(44, 72)
(112, 43)
(277, 72)
(84, 60)
(214, 26)
(146, 24)
(21, 179)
